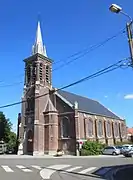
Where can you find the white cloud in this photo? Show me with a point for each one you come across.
(105, 96)
(128, 96)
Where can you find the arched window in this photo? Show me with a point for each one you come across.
(90, 127)
(28, 73)
(123, 130)
(100, 128)
(108, 128)
(65, 127)
(40, 71)
(30, 103)
(34, 72)
(116, 129)
(47, 73)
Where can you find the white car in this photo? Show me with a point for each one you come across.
(126, 147)
(111, 150)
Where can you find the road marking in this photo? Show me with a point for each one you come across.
(7, 169)
(37, 167)
(74, 168)
(47, 172)
(87, 170)
(23, 168)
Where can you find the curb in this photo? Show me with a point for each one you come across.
(53, 157)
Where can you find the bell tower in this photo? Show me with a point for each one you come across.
(38, 66)
(37, 102)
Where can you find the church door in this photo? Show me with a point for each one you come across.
(30, 142)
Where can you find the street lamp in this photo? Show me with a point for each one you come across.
(117, 9)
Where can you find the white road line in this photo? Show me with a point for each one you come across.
(87, 170)
(7, 169)
(74, 168)
(37, 167)
(47, 172)
(23, 168)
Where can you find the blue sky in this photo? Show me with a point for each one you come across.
(67, 27)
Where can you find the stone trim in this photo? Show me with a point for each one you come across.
(36, 121)
(36, 91)
(47, 124)
(63, 99)
(65, 113)
(50, 152)
(20, 125)
(38, 153)
(81, 111)
(50, 112)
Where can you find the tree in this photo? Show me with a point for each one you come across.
(12, 142)
(5, 128)
(6, 133)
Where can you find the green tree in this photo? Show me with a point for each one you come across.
(12, 142)
(5, 128)
(6, 133)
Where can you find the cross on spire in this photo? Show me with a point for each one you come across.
(38, 46)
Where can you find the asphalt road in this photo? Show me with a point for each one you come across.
(94, 168)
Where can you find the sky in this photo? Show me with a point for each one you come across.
(67, 28)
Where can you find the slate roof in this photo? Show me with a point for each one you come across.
(87, 105)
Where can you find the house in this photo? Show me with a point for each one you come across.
(54, 119)
(130, 134)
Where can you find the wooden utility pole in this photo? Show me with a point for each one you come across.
(130, 39)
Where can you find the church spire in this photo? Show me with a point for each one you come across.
(38, 46)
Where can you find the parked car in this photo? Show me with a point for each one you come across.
(111, 150)
(128, 153)
(120, 148)
(2, 147)
(126, 147)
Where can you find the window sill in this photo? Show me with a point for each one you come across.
(100, 137)
(64, 138)
(90, 137)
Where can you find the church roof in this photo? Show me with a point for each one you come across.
(87, 105)
(38, 46)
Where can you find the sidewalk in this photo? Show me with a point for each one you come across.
(50, 156)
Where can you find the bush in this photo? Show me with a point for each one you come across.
(92, 148)
(85, 152)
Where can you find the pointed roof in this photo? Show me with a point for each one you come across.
(38, 34)
(38, 46)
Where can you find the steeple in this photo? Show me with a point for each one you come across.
(38, 46)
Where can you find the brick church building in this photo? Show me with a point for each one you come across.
(51, 120)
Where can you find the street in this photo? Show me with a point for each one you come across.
(59, 168)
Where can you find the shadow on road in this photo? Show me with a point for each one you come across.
(118, 172)
(105, 172)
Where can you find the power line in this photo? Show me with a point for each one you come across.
(10, 85)
(88, 50)
(98, 73)
(82, 52)
(103, 71)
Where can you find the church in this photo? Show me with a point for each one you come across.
(52, 119)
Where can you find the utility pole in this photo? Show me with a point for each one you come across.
(117, 9)
(130, 39)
